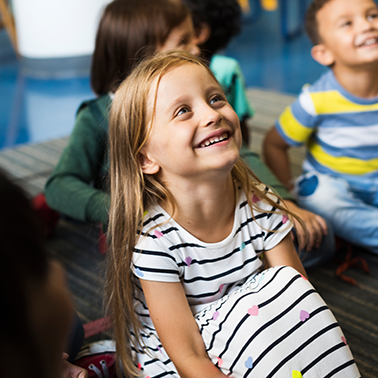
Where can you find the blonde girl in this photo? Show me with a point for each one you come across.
(189, 224)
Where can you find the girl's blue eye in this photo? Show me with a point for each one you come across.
(182, 111)
(215, 99)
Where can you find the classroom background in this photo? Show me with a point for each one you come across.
(42, 86)
(40, 91)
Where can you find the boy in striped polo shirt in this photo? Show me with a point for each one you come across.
(337, 119)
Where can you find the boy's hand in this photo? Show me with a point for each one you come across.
(315, 224)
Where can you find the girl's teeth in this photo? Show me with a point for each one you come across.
(213, 140)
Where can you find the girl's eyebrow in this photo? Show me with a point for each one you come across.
(177, 101)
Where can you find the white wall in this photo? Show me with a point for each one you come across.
(56, 28)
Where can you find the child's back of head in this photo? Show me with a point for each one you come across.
(219, 20)
(128, 28)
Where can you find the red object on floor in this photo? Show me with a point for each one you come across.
(48, 216)
(349, 261)
(97, 326)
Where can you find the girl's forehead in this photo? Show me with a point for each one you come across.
(178, 74)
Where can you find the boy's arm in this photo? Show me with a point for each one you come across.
(276, 156)
(177, 329)
(275, 151)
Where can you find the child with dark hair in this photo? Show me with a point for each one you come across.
(336, 118)
(215, 24)
(77, 187)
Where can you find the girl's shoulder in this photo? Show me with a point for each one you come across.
(261, 196)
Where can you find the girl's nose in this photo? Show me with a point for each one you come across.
(211, 116)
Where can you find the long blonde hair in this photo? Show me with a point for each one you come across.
(132, 192)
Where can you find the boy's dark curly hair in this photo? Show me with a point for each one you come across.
(223, 17)
(311, 23)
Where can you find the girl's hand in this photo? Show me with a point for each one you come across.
(284, 253)
(72, 371)
(177, 329)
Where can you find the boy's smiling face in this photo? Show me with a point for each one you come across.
(349, 33)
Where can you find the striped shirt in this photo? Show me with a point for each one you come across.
(168, 253)
(339, 129)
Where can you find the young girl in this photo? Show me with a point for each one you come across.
(77, 186)
(189, 227)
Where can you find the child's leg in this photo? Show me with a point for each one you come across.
(333, 198)
(275, 325)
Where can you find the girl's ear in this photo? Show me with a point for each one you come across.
(149, 167)
(202, 34)
(322, 55)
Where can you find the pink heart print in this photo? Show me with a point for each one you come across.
(255, 198)
(284, 218)
(158, 234)
(304, 315)
(215, 315)
(188, 260)
(220, 361)
(254, 310)
(343, 339)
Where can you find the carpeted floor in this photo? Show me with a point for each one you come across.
(75, 244)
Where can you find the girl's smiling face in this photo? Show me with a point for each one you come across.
(195, 132)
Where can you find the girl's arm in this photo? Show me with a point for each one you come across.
(177, 329)
(284, 253)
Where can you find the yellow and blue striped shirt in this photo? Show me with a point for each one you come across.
(339, 129)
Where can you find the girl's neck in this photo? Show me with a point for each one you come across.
(359, 82)
(205, 210)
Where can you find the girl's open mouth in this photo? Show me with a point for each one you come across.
(214, 140)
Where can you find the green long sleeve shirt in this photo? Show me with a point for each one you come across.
(78, 185)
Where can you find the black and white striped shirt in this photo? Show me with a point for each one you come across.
(207, 271)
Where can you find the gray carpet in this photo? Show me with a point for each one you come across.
(75, 245)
